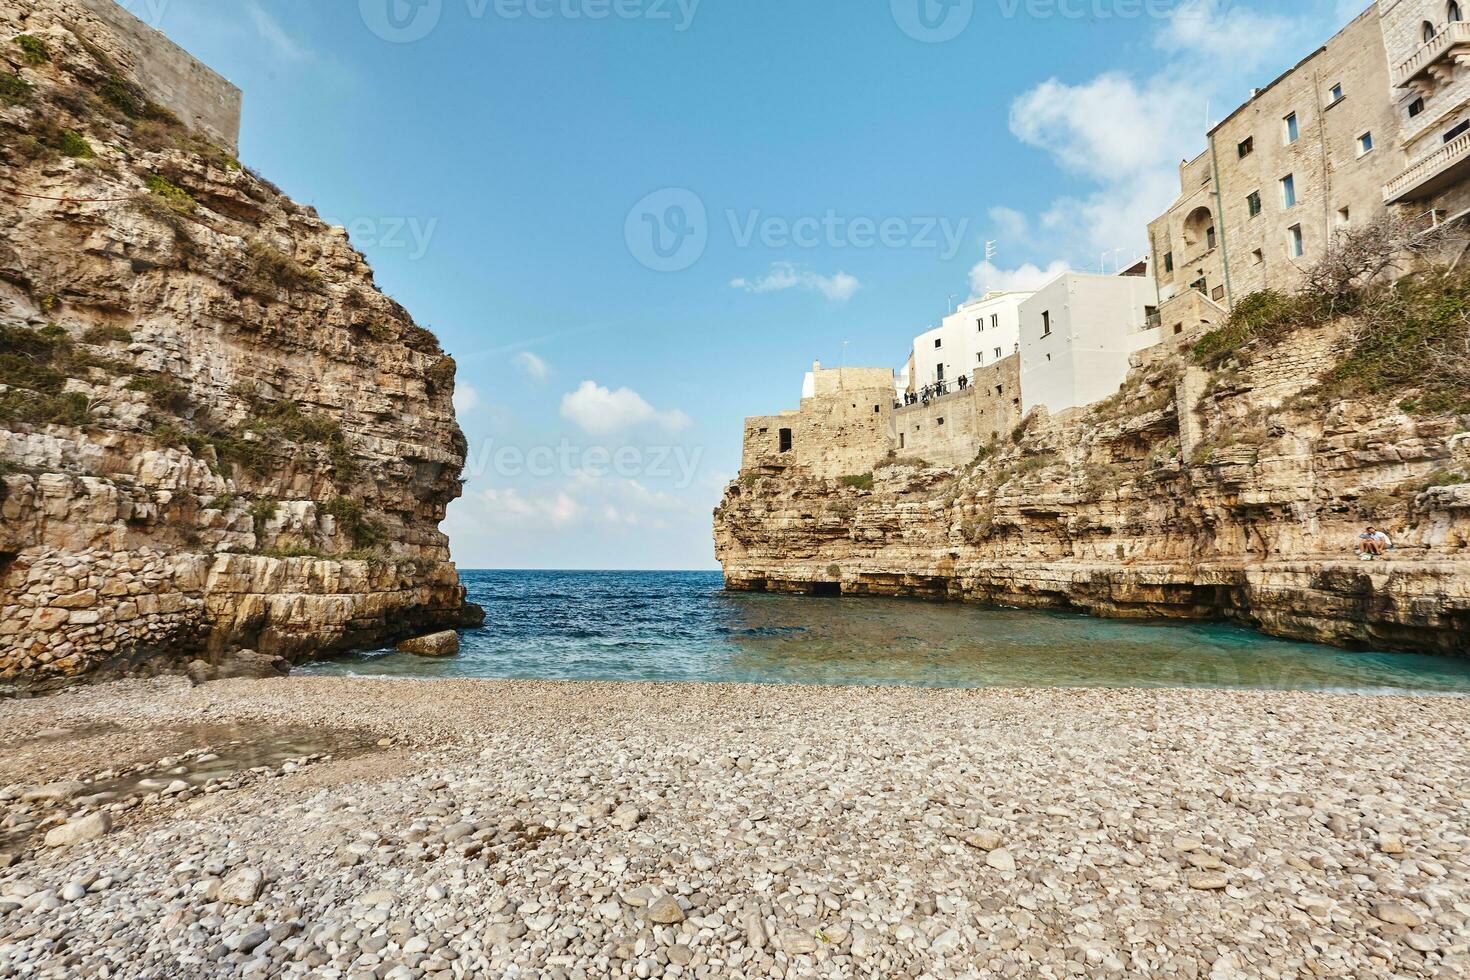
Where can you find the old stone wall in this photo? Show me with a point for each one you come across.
(215, 432)
(953, 428)
(843, 434)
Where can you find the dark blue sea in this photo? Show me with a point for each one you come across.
(683, 626)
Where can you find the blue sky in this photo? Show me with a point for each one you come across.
(820, 175)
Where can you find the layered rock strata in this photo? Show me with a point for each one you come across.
(1236, 494)
(216, 433)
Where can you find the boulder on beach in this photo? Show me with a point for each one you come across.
(445, 644)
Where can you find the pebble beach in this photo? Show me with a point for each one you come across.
(349, 827)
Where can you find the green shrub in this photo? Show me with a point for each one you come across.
(163, 391)
(1410, 345)
(261, 511)
(349, 517)
(1445, 478)
(75, 145)
(862, 482)
(43, 408)
(381, 331)
(107, 335)
(35, 51)
(440, 375)
(286, 420)
(13, 89)
(275, 268)
(171, 196)
(1268, 314)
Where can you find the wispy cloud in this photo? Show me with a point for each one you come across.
(1025, 278)
(601, 411)
(536, 368)
(838, 288)
(281, 43)
(466, 397)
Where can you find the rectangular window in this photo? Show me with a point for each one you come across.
(1258, 257)
(1335, 95)
(1246, 147)
(1210, 237)
(1218, 293)
(1457, 132)
(939, 373)
(1416, 107)
(941, 421)
(980, 324)
(1295, 245)
(1253, 203)
(1199, 285)
(1046, 323)
(938, 343)
(1365, 144)
(1168, 261)
(1288, 191)
(1292, 130)
(979, 358)
(786, 440)
(995, 321)
(997, 353)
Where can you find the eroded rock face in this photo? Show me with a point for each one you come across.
(1236, 495)
(215, 432)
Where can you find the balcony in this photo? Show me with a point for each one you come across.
(1432, 173)
(1435, 59)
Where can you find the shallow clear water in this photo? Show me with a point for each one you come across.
(682, 626)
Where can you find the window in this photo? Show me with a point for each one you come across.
(941, 421)
(900, 440)
(997, 354)
(1365, 144)
(1246, 147)
(939, 372)
(979, 358)
(1427, 32)
(1000, 389)
(1210, 237)
(995, 321)
(786, 440)
(980, 324)
(1178, 329)
(1295, 245)
(1344, 217)
(938, 342)
(1218, 293)
(1288, 191)
(1046, 323)
(1452, 12)
(1258, 257)
(878, 409)
(1253, 203)
(1292, 129)
(1168, 261)
(1416, 107)
(1199, 285)
(1457, 132)
(1335, 95)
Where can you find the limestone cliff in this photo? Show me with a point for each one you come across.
(1232, 493)
(215, 432)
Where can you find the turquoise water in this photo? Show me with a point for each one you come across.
(683, 626)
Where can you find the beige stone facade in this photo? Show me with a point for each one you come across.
(952, 429)
(844, 428)
(1428, 47)
(1306, 156)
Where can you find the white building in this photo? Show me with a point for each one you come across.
(976, 335)
(1077, 333)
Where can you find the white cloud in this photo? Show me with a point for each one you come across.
(510, 508)
(1011, 224)
(283, 44)
(1223, 29)
(1026, 278)
(466, 398)
(784, 275)
(535, 367)
(601, 411)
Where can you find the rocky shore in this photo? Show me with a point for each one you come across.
(477, 828)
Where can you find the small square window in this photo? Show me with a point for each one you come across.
(1335, 95)
(1295, 244)
(1217, 293)
(1365, 144)
(1178, 328)
(941, 421)
(1292, 129)
(1246, 147)
(1416, 107)
(1253, 203)
(1258, 257)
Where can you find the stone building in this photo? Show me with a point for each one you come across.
(1308, 154)
(951, 429)
(1427, 44)
(843, 428)
(980, 332)
(1077, 335)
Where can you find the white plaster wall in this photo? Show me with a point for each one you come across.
(1096, 323)
(969, 338)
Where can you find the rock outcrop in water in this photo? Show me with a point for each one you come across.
(215, 431)
(1234, 493)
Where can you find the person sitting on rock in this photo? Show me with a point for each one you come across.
(1372, 543)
